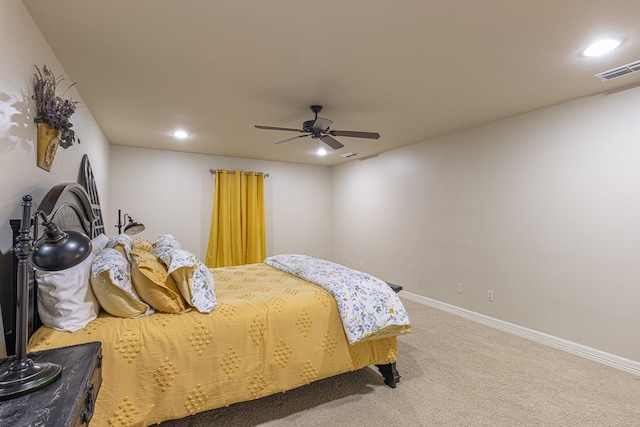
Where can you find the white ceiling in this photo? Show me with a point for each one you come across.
(410, 69)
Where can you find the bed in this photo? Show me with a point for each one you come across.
(270, 332)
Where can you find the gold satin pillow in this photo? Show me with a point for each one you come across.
(142, 243)
(153, 284)
(193, 278)
(111, 283)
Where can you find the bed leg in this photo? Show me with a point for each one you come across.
(390, 374)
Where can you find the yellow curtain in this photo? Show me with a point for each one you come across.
(238, 233)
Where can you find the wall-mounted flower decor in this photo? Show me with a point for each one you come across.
(53, 114)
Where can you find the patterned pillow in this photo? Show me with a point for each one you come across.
(121, 243)
(154, 284)
(111, 283)
(167, 240)
(193, 278)
(65, 299)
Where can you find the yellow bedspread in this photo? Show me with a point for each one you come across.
(270, 332)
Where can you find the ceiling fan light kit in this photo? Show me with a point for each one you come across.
(319, 128)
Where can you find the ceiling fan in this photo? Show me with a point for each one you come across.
(318, 128)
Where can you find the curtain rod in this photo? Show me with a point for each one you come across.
(213, 172)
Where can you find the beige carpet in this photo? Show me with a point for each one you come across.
(454, 373)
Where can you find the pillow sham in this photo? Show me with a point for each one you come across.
(121, 243)
(167, 240)
(142, 243)
(111, 283)
(65, 299)
(154, 284)
(193, 278)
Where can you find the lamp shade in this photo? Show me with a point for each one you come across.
(133, 228)
(55, 250)
(59, 250)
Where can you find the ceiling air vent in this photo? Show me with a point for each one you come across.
(619, 71)
(347, 155)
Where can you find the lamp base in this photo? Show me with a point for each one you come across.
(24, 376)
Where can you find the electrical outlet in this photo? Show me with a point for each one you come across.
(490, 295)
(460, 288)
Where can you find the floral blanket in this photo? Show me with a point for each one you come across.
(369, 308)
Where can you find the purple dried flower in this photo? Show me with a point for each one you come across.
(52, 109)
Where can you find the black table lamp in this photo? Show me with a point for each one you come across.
(132, 228)
(56, 250)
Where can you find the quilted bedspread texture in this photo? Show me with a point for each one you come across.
(270, 332)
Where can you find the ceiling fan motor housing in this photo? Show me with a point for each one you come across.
(308, 126)
(318, 128)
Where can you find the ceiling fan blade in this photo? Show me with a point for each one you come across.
(354, 134)
(322, 124)
(292, 138)
(277, 128)
(335, 144)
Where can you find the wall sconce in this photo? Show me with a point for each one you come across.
(132, 228)
(55, 250)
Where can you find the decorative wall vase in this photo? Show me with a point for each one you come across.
(47, 144)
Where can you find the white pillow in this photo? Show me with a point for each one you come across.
(65, 299)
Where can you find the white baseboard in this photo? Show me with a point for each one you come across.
(608, 359)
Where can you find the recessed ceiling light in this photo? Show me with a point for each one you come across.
(180, 134)
(602, 47)
(321, 152)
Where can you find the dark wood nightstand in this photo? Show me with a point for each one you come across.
(67, 402)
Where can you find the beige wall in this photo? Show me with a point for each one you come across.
(172, 192)
(21, 47)
(542, 208)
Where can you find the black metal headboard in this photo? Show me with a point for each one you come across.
(86, 179)
(71, 208)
